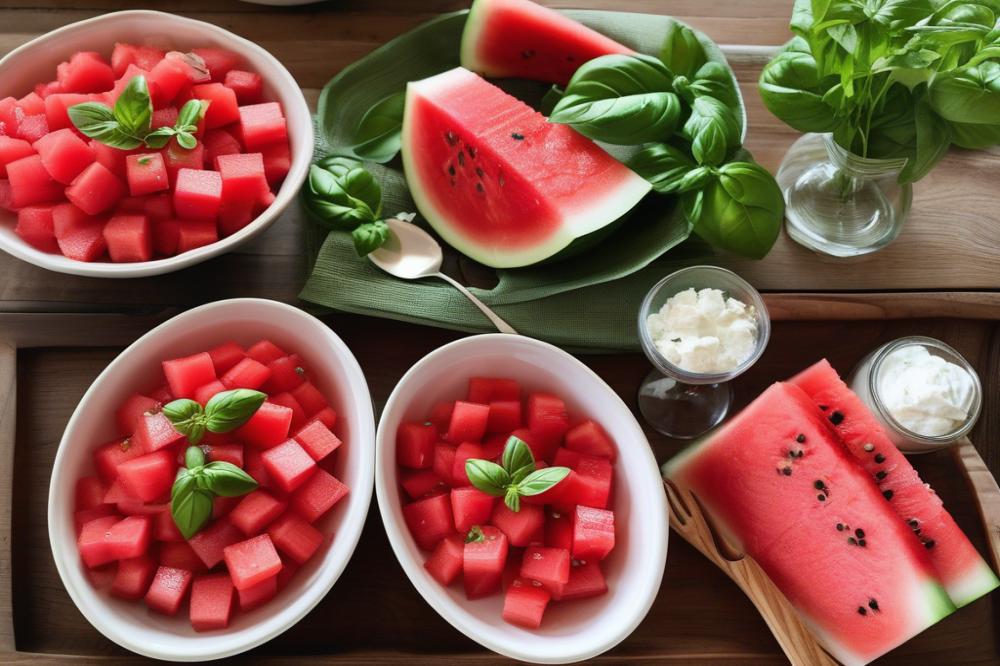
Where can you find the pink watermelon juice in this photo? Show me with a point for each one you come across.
(252, 544)
(92, 201)
(551, 549)
(780, 483)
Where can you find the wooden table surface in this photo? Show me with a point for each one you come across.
(68, 328)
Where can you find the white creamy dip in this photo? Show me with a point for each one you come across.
(925, 394)
(704, 331)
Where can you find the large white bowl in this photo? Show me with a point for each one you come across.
(336, 373)
(574, 630)
(36, 61)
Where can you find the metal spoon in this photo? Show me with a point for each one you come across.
(411, 253)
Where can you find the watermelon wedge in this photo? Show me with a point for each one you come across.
(780, 484)
(518, 38)
(965, 574)
(499, 182)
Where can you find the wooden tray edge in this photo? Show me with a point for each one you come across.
(8, 411)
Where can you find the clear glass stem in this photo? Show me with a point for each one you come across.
(682, 411)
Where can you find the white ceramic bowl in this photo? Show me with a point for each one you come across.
(336, 373)
(574, 630)
(36, 61)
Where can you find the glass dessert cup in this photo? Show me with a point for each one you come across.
(864, 381)
(680, 403)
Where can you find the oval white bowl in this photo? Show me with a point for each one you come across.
(335, 372)
(36, 61)
(574, 630)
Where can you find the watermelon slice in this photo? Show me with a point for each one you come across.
(778, 482)
(499, 182)
(965, 574)
(518, 38)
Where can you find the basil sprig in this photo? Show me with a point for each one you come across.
(127, 125)
(224, 412)
(198, 484)
(515, 477)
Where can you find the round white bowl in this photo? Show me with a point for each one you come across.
(36, 61)
(336, 373)
(575, 630)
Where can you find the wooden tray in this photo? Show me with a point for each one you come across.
(373, 614)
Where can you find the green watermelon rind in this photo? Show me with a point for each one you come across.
(974, 584)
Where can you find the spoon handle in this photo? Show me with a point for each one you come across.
(501, 325)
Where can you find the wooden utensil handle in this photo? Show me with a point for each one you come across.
(8, 411)
(985, 491)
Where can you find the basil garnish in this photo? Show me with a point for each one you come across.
(198, 484)
(224, 412)
(515, 477)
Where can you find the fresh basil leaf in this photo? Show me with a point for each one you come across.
(790, 88)
(160, 137)
(714, 80)
(519, 475)
(187, 417)
(695, 179)
(933, 136)
(182, 483)
(97, 122)
(191, 509)
(186, 140)
(620, 99)
(90, 113)
(380, 131)
(541, 480)
(713, 130)
(133, 109)
(512, 498)
(369, 237)
(967, 94)
(487, 476)
(194, 457)
(191, 113)
(227, 480)
(975, 137)
(228, 410)
(662, 165)
(550, 99)
(516, 454)
(681, 52)
(342, 194)
(475, 535)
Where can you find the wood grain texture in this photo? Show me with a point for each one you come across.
(8, 407)
(983, 488)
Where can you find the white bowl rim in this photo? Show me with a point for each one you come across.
(350, 529)
(431, 590)
(286, 193)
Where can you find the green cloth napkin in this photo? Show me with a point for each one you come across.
(587, 302)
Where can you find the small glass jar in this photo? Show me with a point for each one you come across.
(683, 404)
(865, 382)
(838, 203)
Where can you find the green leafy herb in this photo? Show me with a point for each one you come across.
(682, 53)
(515, 477)
(198, 484)
(475, 535)
(712, 129)
(379, 134)
(224, 412)
(370, 236)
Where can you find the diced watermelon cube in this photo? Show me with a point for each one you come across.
(504, 416)
(429, 520)
(310, 397)
(296, 538)
(197, 194)
(89, 492)
(494, 445)
(445, 563)
(256, 511)
(267, 427)
(326, 416)
(287, 373)
(222, 108)
(129, 537)
(95, 190)
(165, 529)
(593, 533)
(589, 483)
(177, 158)
(248, 86)
(150, 476)
(484, 390)
(11, 116)
(43, 90)
(211, 541)
(229, 452)
(444, 461)
(83, 242)
(548, 419)
(420, 482)
(180, 555)
(524, 604)
(168, 589)
(288, 465)
(142, 56)
(218, 61)
(166, 79)
(166, 236)
(585, 580)
(223, 506)
(93, 541)
(219, 142)
(247, 373)
(226, 356)
(262, 124)
(318, 441)
(265, 351)
(559, 530)
(205, 393)
(415, 445)
(33, 128)
(35, 226)
(519, 526)
(483, 563)
(440, 416)
(470, 506)
(468, 422)
(64, 155)
(548, 566)
(57, 109)
(84, 516)
(242, 176)
(154, 432)
(146, 173)
(165, 117)
(463, 453)
(252, 561)
(31, 183)
(6, 196)
(259, 594)
(590, 438)
(212, 597)
(11, 150)
(129, 238)
(112, 159)
(192, 234)
(298, 414)
(185, 375)
(108, 456)
(277, 162)
(86, 72)
(133, 577)
(317, 495)
(134, 407)
(158, 206)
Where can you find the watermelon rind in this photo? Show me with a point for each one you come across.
(474, 23)
(979, 581)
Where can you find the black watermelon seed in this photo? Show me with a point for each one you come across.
(818, 485)
(824, 407)
(840, 527)
(929, 544)
(451, 169)
(787, 471)
(852, 541)
(881, 474)
(451, 138)
(861, 542)
(471, 151)
(801, 438)
(517, 137)
(916, 530)
(461, 159)
(862, 610)
(836, 418)
(799, 454)
(912, 522)
(873, 604)
(480, 172)
(821, 498)
(860, 533)
(887, 494)
(479, 186)
(879, 458)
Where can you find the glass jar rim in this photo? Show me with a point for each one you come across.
(853, 163)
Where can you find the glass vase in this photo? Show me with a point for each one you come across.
(838, 203)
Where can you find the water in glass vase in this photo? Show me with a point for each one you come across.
(838, 203)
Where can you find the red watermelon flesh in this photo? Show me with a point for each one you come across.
(518, 38)
(965, 574)
(862, 600)
(499, 182)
